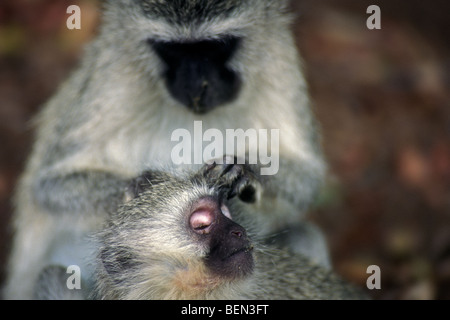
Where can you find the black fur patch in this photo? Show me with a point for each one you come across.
(197, 74)
(230, 252)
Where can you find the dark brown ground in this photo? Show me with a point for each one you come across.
(382, 97)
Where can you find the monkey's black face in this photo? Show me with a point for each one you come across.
(230, 251)
(197, 73)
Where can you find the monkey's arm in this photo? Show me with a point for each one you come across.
(282, 203)
(68, 171)
(297, 182)
(52, 285)
(80, 192)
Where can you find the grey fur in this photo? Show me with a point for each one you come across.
(51, 285)
(113, 117)
(147, 251)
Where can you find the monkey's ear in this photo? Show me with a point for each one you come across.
(139, 184)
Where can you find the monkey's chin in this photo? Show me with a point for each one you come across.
(243, 251)
(238, 264)
(242, 261)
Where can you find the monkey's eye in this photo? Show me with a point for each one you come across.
(226, 211)
(201, 220)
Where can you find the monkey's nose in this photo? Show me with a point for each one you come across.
(236, 233)
(198, 96)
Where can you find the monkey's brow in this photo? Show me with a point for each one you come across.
(184, 11)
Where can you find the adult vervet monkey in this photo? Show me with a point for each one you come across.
(157, 66)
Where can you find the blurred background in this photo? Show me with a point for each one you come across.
(382, 98)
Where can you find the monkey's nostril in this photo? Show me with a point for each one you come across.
(236, 233)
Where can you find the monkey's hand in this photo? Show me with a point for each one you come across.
(233, 179)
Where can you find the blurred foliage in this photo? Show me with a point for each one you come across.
(381, 96)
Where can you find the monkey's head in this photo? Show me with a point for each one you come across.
(174, 239)
(204, 51)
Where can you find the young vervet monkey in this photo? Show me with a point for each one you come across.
(177, 239)
(157, 66)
